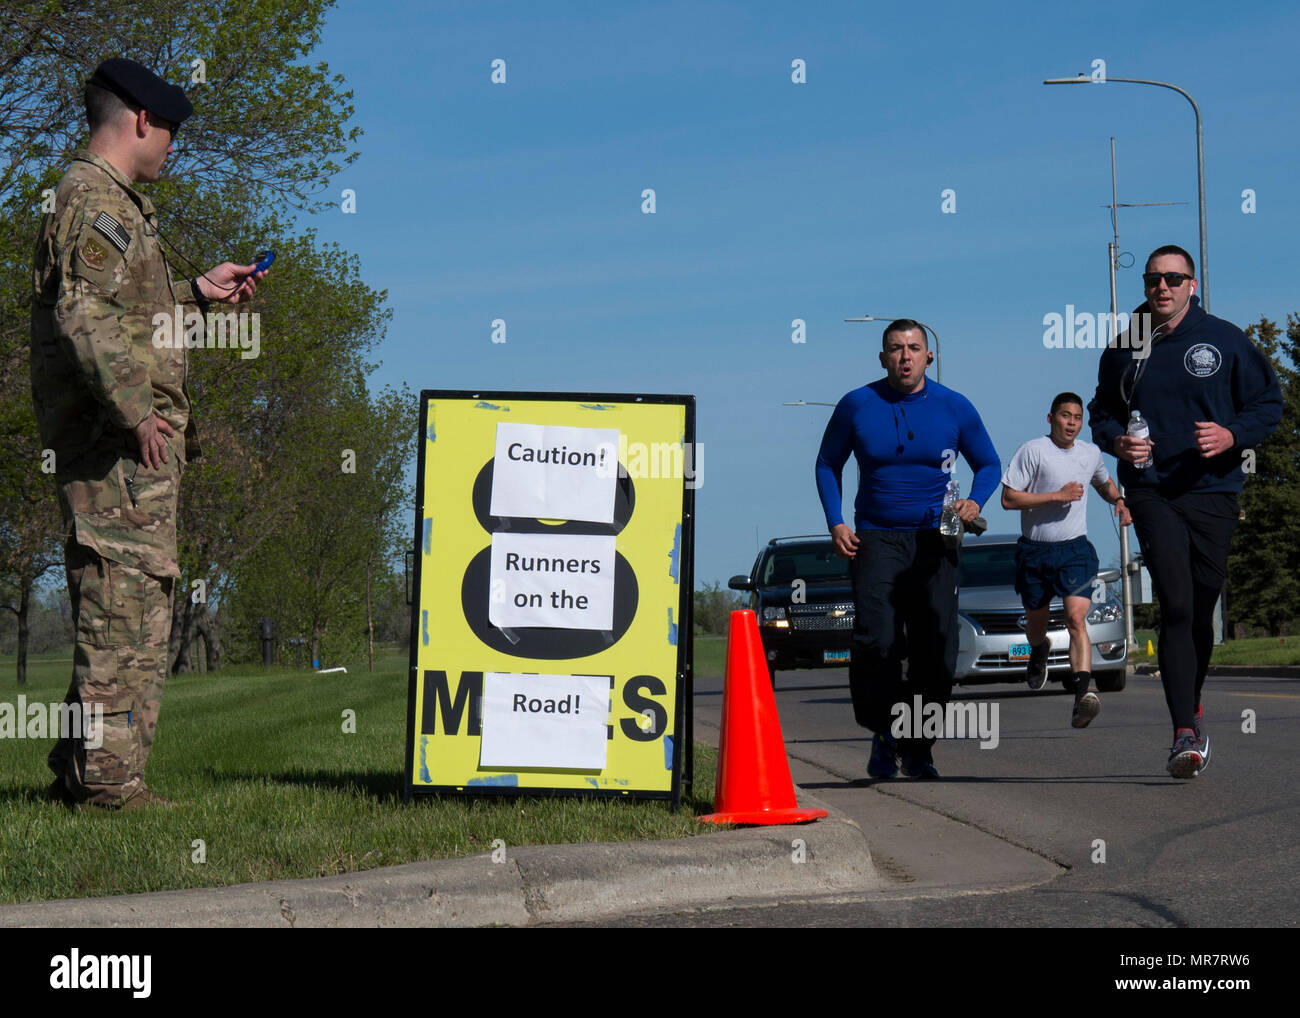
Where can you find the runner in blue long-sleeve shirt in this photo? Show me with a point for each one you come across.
(906, 432)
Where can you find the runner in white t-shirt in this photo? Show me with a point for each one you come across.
(1054, 558)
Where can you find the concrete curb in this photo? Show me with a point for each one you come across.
(1237, 671)
(533, 884)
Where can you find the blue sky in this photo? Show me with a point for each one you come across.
(776, 201)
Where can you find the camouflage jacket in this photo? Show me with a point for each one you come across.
(99, 278)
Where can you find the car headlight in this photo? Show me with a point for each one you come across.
(775, 617)
(1111, 611)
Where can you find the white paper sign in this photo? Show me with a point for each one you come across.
(553, 473)
(558, 581)
(544, 721)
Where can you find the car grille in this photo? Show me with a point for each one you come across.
(1000, 662)
(1004, 623)
(819, 616)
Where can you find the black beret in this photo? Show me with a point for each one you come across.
(141, 87)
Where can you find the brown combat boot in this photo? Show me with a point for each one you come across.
(145, 799)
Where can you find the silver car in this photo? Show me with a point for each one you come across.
(992, 646)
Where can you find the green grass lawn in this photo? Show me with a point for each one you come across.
(262, 774)
(710, 656)
(1263, 650)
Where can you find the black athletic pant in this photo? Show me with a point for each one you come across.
(1185, 548)
(905, 596)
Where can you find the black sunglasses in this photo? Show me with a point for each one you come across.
(172, 129)
(1172, 279)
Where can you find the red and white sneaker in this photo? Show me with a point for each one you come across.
(1190, 754)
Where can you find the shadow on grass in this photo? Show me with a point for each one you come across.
(380, 785)
(391, 787)
(26, 795)
(376, 785)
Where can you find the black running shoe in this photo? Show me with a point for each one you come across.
(884, 757)
(1036, 670)
(919, 766)
(1186, 759)
(1087, 705)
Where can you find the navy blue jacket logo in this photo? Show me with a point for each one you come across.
(1202, 360)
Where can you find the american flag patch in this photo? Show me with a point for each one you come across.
(113, 230)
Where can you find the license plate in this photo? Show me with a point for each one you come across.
(1018, 652)
(835, 657)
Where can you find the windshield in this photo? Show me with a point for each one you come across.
(810, 563)
(990, 565)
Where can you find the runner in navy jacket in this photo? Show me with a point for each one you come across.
(1208, 395)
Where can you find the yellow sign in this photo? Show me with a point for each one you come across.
(552, 598)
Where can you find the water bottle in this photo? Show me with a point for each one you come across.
(950, 522)
(1138, 428)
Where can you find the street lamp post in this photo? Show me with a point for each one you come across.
(1083, 79)
(817, 402)
(938, 361)
(1204, 291)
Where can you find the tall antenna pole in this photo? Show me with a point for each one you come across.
(1114, 252)
(1126, 578)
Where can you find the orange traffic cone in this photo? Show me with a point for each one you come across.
(754, 784)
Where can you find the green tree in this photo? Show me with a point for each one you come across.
(316, 576)
(1264, 567)
(713, 605)
(266, 123)
(31, 526)
(270, 131)
(262, 421)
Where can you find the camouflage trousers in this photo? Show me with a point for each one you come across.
(123, 619)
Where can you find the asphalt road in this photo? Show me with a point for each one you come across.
(1053, 826)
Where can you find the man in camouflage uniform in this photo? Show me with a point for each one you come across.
(114, 408)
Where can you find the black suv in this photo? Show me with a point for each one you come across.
(801, 592)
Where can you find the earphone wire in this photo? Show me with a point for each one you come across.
(200, 273)
(1139, 369)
